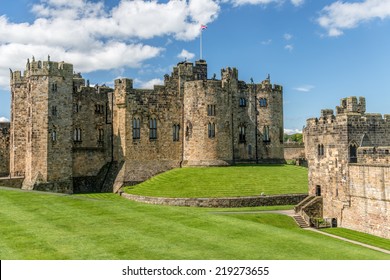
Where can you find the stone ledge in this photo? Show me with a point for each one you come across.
(221, 202)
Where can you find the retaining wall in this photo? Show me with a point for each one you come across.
(223, 202)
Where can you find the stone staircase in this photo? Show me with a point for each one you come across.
(300, 221)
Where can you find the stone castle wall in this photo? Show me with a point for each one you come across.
(4, 148)
(294, 151)
(64, 131)
(333, 146)
(370, 200)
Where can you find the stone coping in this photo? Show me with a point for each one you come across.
(220, 202)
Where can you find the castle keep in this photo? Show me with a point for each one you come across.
(67, 136)
(349, 166)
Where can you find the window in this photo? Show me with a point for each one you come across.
(210, 110)
(211, 130)
(263, 102)
(54, 136)
(352, 153)
(266, 137)
(241, 130)
(54, 87)
(101, 135)
(242, 102)
(136, 128)
(54, 110)
(320, 149)
(77, 134)
(176, 132)
(318, 190)
(76, 108)
(99, 109)
(153, 128)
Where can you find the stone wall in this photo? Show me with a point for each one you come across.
(226, 202)
(4, 148)
(333, 145)
(294, 151)
(369, 210)
(92, 129)
(11, 182)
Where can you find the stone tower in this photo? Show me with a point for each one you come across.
(45, 91)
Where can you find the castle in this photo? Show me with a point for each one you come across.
(69, 137)
(349, 167)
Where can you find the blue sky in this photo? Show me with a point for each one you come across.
(320, 51)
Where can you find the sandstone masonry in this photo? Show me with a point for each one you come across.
(349, 166)
(4, 148)
(67, 136)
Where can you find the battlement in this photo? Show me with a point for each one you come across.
(352, 105)
(373, 155)
(41, 68)
(123, 82)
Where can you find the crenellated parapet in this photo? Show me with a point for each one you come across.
(41, 68)
(352, 105)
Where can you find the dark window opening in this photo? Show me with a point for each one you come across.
(77, 135)
(210, 110)
(176, 132)
(263, 102)
(153, 129)
(136, 128)
(318, 190)
(242, 102)
(241, 130)
(211, 130)
(266, 137)
(353, 153)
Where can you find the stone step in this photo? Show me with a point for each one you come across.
(300, 221)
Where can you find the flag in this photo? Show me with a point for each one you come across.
(203, 27)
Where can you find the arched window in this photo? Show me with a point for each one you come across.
(153, 128)
(353, 153)
(211, 130)
(266, 137)
(241, 130)
(136, 128)
(176, 132)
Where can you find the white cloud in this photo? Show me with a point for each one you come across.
(339, 16)
(4, 119)
(297, 2)
(266, 42)
(304, 88)
(287, 36)
(186, 55)
(149, 84)
(252, 2)
(289, 47)
(290, 131)
(264, 2)
(93, 37)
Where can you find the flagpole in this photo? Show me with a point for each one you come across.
(201, 31)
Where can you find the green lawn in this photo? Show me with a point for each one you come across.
(361, 237)
(225, 181)
(105, 226)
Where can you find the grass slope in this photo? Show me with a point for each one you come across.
(225, 181)
(361, 237)
(105, 226)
